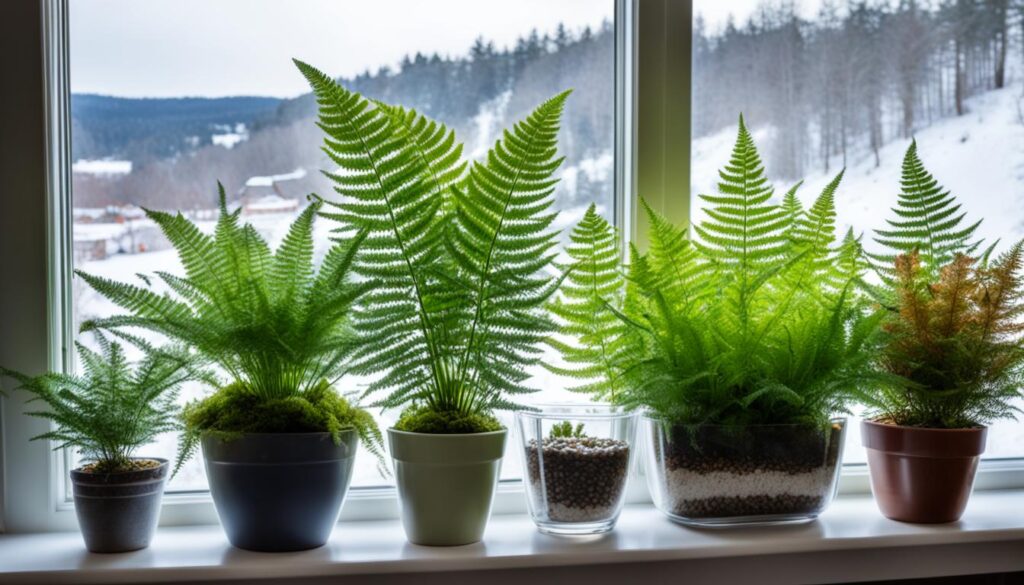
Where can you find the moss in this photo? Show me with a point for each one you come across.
(421, 419)
(233, 409)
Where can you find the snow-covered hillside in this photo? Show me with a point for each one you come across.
(979, 157)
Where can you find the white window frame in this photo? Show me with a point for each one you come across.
(652, 156)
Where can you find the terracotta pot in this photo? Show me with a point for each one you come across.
(922, 475)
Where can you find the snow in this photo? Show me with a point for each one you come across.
(488, 123)
(228, 140)
(979, 157)
(269, 180)
(104, 167)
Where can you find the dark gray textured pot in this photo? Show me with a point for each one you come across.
(118, 512)
(279, 492)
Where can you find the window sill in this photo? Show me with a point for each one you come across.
(850, 542)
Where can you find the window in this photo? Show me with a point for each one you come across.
(119, 73)
(169, 97)
(847, 85)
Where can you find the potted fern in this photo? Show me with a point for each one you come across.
(740, 343)
(278, 440)
(108, 413)
(953, 338)
(458, 255)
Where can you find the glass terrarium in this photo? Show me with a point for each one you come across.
(576, 462)
(711, 475)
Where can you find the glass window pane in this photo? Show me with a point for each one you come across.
(828, 84)
(170, 96)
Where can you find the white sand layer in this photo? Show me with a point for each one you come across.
(688, 485)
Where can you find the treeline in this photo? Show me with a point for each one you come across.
(856, 76)
(137, 129)
(476, 94)
(453, 89)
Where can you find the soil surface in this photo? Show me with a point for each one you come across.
(133, 465)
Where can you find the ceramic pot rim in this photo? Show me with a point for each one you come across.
(923, 442)
(449, 435)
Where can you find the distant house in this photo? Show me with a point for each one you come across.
(273, 193)
(269, 204)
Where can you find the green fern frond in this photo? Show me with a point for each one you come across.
(114, 407)
(593, 283)
(743, 230)
(928, 220)
(457, 259)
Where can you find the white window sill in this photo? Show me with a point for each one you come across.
(850, 542)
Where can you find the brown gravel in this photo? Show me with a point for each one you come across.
(584, 477)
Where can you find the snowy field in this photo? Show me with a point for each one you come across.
(980, 157)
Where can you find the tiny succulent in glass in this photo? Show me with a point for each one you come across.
(753, 321)
(278, 327)
(457, 251)
(113, 407)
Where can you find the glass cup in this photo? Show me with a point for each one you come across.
(576, 462)
(711, 475)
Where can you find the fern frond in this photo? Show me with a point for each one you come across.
(928, 220)
(457, 258)
(114, 407)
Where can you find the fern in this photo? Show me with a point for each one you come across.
(956, 343)
(593, 283)
(458, 259)
(755, 320)
(928, 220)
(275, 325)
(114, 407)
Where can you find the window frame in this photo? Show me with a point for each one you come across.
(652, 156)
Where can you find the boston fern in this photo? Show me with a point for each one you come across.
(458, 253)
(954, 330)
(753, 321)
(113, 407)
(276, 326)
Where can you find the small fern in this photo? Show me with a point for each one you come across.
(753, 321)
(928, 220)
(957, 343)
(114, 407)
(457, 253)
(279, 328)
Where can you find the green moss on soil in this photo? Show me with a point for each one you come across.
(233, 409)
(420, 419)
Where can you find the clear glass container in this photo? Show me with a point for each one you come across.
(710, 475)
(576, 462)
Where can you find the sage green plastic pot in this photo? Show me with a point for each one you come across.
(446, 484)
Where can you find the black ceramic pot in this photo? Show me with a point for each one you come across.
(279, 492)
(118, 512)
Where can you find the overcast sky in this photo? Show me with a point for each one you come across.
(243, 47)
